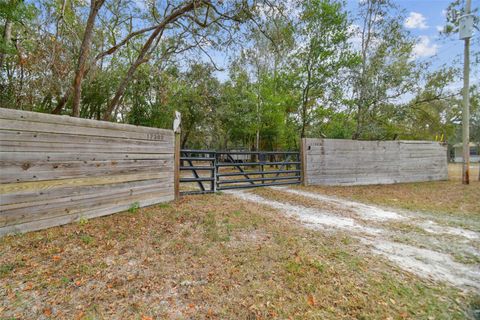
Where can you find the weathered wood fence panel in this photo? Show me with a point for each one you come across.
(352, 162)
(58, 169)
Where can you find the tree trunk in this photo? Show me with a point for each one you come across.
(185, 137)
(83, 56)
(7, 36)
(304, 121)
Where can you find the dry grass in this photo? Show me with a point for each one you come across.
(207, 257)
(455, 171)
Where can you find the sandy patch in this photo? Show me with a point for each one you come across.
(373, 213)
(434, 228)
(427, 263)
(310, 216)
(364, 211)
(423, 262)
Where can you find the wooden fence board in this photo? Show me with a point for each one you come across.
(56, 169)
(34, 195)
(77, 156)
(23, 172)
(85, 131)
(24, 146)
(349, 162)
(33, 117)
(82, 203)
(43, 175)
(71, 138)
(93, 213)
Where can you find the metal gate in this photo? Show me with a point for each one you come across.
(205, 171)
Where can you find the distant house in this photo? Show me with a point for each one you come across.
(457, 152)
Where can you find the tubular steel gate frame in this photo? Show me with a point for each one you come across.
(268, 173)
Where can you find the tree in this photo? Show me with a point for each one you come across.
(270, 41)
(433, 112)
(95, 6)
(15, 19)
(387, 70)
(324, 51)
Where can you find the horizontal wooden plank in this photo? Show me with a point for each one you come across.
(40, 166)
(81, 203)
(126, 188)
(81, 207)
(34, 195)
(374, 165)
(61, 220)
(18, 115)
(77, 169)
(62, 183)
(77, 156)
(7, 124)
(72, 138)
(45, 147)
(70, 174)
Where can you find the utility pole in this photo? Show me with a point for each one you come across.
(465, 33)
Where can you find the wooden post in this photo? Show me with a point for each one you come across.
(177, 130)
(303, 157)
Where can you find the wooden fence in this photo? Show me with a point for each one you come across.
(57, 169)
(352, 162)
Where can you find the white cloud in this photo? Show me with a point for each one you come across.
(424, 47)
(439, 28)
(415, 20)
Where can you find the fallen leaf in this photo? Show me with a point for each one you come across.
(47, 312)
(147, 318)
(311, 300)
(28, 286)
(56, 258)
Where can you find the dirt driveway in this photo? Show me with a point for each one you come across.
(438, 247)
(220, 257)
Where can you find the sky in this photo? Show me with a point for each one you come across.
(423, 19)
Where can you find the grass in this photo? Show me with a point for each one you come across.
(209, 257)
(455, 171)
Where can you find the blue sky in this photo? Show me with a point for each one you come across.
(423, 20)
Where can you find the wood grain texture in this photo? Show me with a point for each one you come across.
(23, 171)
(33, 117)
(57, 169)
(350, 162)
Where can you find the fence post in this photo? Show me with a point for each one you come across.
(215, 168)
(177, 130)
(303, 156)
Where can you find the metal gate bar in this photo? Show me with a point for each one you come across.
(227, 170)
(193, 157)
(261, 169)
